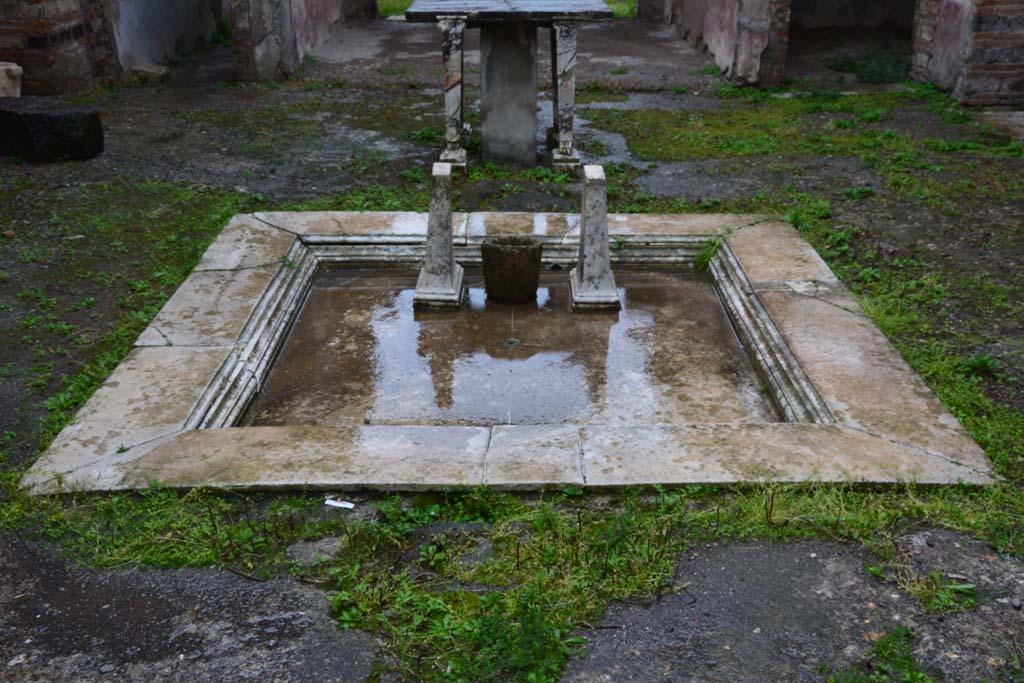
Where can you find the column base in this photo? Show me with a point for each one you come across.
(551, 137)
(455, 157)
(431, 292)
(565, 161)
(603, 299)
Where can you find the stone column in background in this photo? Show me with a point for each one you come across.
(453, 29)
(440, 281)
(563, 65)
(10, 80)
(591, 282)
(508, 92)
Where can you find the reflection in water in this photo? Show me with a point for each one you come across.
(509, 364)
(361, 354)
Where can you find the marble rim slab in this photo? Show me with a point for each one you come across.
(853, 410)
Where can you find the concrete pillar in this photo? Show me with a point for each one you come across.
(508, 92)
(563, 65)
(452, 30)
(591, 282)
(440, 281)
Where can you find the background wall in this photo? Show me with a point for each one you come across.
(153, 31)
(851, 13)
(272, 37)
(746, 38)
(994, 55)
(312, 21)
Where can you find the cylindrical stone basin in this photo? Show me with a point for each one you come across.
(511, 268)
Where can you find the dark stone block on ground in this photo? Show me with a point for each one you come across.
(42, 129)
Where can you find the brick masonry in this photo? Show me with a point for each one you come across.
(63, 45)
(974, 48)
(994, 65)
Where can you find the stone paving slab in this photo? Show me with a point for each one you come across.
(678, 224)
(718, 454)
(555, 225)
(209, 309)
(407, 224)
(533, 456)
(864, 379)
(400, 226)
(517, 457)
(246, 242)
(385, 458)
(148, 396)
(668, 227)
(137, 428)
(776, 252)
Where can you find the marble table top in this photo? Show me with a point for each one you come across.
(480, 11)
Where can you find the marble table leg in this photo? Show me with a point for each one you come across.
(591, 282)
(563, 66)
(440, 281)
(508, 92)
(453, 30)
(552, 132)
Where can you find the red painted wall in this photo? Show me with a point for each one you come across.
(711, 24)
(946, 58)
(312, 21)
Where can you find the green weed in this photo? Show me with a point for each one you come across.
(890, 660)
(878, 66)
(431, 137)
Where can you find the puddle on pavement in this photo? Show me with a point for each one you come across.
(359, 354)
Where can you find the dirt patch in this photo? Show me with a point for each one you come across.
(788, 612)
(61, 623)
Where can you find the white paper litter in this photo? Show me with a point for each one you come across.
(330, 502)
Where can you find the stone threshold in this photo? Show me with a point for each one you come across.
(854, 410)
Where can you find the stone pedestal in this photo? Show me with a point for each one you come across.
(440, 281)
(591, 282)
(41, 129)
(508, 92)
(10, 80)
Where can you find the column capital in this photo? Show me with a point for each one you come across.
(454, 22)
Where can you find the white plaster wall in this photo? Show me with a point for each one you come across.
(153, 31)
